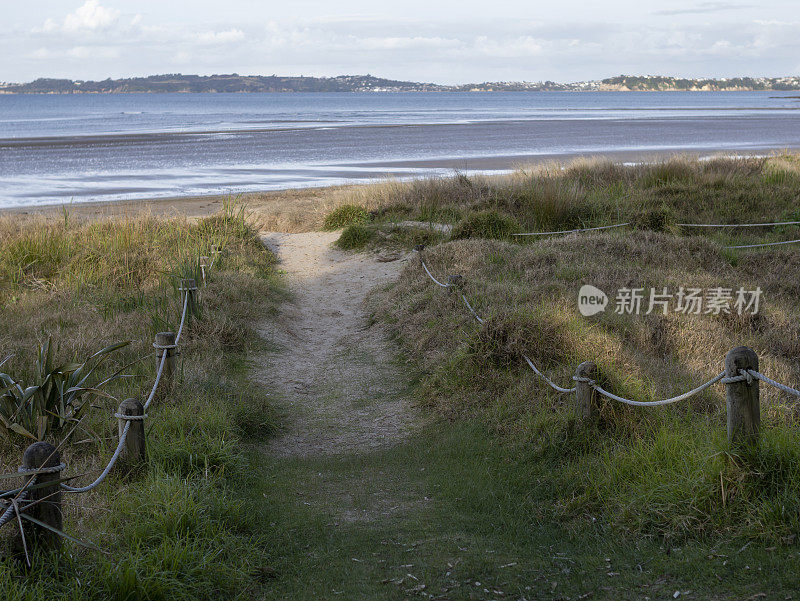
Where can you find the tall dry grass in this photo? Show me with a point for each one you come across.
(175, 526)
(664, 470)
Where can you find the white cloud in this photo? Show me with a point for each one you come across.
(90, 16)
(93, 52)
(404, 43)
(221, 37)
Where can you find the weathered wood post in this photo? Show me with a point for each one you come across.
(189, 288)
(42, 461)
(165, 343)
(586, 397)
(454, 282)
(203, 265)
(133, 453)
(741, 397)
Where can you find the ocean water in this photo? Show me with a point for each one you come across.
(56, 149)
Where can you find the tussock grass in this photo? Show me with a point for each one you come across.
(666, 471)
(355, 237)
(486, 224)
(346, 215)
(182, 529)
(586, 193)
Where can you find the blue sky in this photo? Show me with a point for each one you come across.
(443, 41)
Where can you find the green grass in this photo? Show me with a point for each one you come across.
(455, 514)
(344, 216)
(182, 529)
(653, 196)
(355, 237)
(663, 471)
(489, 224)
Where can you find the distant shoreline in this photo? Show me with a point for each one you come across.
(235, 83)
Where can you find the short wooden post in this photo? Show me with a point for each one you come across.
(165, 343)
(133, 453)
(43, 455)
(586, 397)
(216, 251)
(454, 282)
(189, 287)
(741, 397)
(203, 266)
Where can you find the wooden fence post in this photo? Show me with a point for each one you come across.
(48, 511)
(189, 287)
(165, 343)
(203, 265)
(586, 397)
(453, 282)
(133, 452)
(741, 398)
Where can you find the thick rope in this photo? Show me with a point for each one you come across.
(160, 371)
(471, 310)
(25, 471)
(131, 418)
(738, 224)
(585, 229)
(675, 399)
(545, 378)
(778, 385)
(8, 514)
(106, 471)
(183, 317)
(763, 244)
(431, 275)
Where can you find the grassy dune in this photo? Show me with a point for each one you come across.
(665, 471)
(586, 193)
(181, 529)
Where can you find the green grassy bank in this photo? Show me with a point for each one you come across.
(183, 528)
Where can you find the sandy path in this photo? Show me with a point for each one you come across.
(334, 375)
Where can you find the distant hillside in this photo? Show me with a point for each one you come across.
(218, 83)
(367, 83)
(651, 83)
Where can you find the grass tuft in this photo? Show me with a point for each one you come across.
(346, 215)
(355, 237)
(489, 224)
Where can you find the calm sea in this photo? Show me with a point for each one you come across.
(57, 149)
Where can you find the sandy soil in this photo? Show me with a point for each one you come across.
(337, 384)
(302, 209)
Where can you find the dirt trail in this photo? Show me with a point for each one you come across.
(333, 373)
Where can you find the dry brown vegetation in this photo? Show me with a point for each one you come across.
(666, 470)
(87, 285)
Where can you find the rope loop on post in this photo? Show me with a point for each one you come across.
(162, 347)
(131, 418)
(24, 471)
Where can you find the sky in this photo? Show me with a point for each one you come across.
(441, 41)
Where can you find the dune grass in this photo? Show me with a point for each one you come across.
(664, 471)
(587, 193)
(183, 529)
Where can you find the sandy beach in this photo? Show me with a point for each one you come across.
(273, 208)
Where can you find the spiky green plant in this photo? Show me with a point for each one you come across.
(60, 395)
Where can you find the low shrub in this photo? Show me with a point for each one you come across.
(354, 237)
(486, 224)
(344, 216)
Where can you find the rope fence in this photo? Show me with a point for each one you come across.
(39, 499)
(741, 378)
(696, 225)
